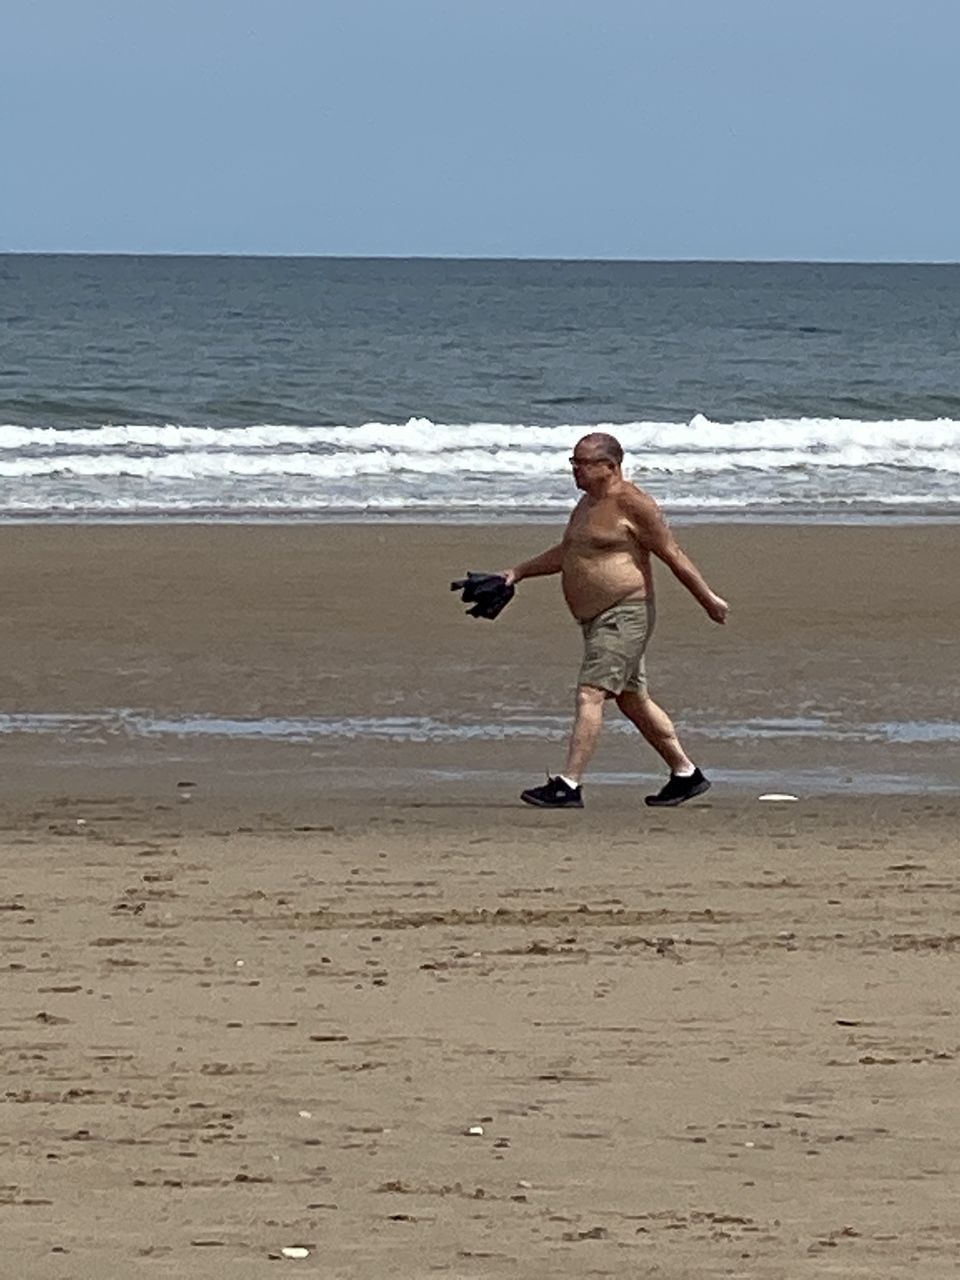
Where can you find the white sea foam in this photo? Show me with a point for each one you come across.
(457, 462)
(800, 464)
(421, 436)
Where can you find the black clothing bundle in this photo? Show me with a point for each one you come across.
(489, 593)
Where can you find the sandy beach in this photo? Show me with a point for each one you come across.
(262, 982)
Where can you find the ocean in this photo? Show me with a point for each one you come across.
(313, 388)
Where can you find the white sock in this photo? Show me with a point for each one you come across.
(569, 781)
(686, 772)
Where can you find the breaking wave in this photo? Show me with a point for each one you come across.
(789, 465)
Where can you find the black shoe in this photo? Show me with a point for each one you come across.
(678, 789)
(554, 794)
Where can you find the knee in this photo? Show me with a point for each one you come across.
(589, 696)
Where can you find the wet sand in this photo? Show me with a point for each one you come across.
(837, 626)
(717, 1041)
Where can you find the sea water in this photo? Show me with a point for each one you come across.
(281, 388)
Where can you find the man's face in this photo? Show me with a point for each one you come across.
(589, 468)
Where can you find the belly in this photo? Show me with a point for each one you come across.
(594, 583)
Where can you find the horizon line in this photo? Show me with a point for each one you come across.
(466, 257)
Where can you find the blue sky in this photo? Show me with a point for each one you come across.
(519, 128)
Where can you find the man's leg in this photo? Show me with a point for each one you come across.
(563, 791)
(587, 724)
(658, 729)
(686, 780)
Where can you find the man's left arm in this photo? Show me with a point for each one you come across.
(655, 535)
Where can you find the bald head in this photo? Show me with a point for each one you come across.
(603, 446)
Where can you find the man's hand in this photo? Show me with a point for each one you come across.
(717, 608)
(510, 575)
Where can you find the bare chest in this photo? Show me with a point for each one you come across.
(598, 531)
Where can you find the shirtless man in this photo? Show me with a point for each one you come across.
(607, 580)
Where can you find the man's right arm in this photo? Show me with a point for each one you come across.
(548, 562)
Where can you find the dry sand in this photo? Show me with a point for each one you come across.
(719, 1041)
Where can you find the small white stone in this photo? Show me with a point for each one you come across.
(749, 1144)
(525, 1184)
(295, 1251)
(305, 1115)
(81, 822)
(475, 1131)
(239, 964)
(777, 795)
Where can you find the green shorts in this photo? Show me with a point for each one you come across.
(614, 644)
